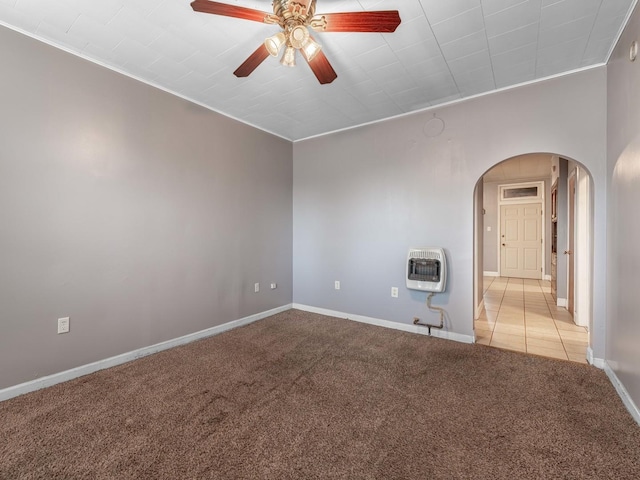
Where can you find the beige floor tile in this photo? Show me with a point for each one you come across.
(543, 311)
(547, 352)
(493, 295)
(576, 357)
(571, 327)
(485, 327)
(484, 324)
(580, 336)
(521, 315)
(492, 316)
(538, 311)
(568, 342)
(533, 297)
(552, 344)
(505, 340)
(492, 302)
(541, 328)
(509, 328)
(513, 302)
(539, 319)
(516, 348)
(542, 334)
(538, 316)
(513, 296)
(576, 349)
(512, 311)
(480, 333)
(510, 319)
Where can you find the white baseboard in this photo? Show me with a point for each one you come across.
(491, 274)
(546, 277)
(479, 309)
(596, 362)
(562, 302)
(60, 377)
(458, 337)
(622, 391)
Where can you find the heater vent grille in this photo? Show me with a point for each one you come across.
(426, 269)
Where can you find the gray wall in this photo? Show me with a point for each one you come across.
(623, 272)
(141, 216)
(362, 197)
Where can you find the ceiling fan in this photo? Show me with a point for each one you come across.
(295, 17)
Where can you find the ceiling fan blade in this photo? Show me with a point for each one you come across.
(251, 63)
(385, 21)
(321, 67)
(217, 8)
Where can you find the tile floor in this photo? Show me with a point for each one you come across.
(521, 315)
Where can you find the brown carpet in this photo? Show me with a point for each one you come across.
(303, 396)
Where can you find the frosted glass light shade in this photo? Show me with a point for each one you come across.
(275, 43)
(311, 48)
(289, 57)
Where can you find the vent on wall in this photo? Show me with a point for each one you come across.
(426, 269)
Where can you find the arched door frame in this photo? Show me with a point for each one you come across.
(590, 214)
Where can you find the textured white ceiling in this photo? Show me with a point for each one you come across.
(444, 50)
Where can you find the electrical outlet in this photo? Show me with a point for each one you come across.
(256, 287)
(394, 292)
(63, 325)
(274, 286)
(337, 284)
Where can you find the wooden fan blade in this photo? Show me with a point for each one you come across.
(385, 21)
(321, 67)
(217, 8)
(251, 63)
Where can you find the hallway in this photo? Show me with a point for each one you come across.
(521, 315)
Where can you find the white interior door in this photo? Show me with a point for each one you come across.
(521, 240)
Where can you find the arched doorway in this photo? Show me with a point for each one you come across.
(533, 256)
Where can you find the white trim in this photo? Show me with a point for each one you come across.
(479, 309)
(596, 362)
(622, 27)
(491, 274)
(539, 184)
(60, 377)
(457, 337)
(352, 127)
(541, 200)
(562, 302)
(623, 393)
(546, 277)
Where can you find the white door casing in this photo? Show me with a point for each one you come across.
(521, 240)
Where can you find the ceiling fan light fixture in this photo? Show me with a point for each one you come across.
(298, 36)
(289, 57)
(310, 49)
(275, 43)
